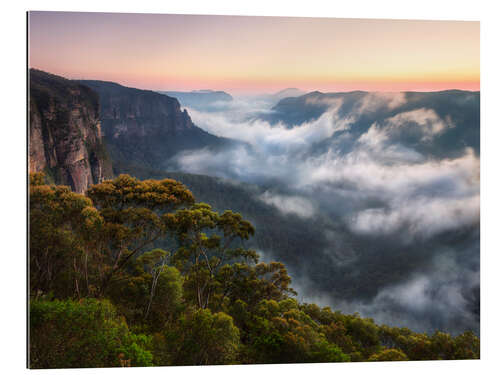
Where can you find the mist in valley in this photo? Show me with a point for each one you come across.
(386, 183)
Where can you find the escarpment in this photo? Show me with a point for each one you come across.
(64, 132)
(146, 128)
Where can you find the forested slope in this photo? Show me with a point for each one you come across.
(99, 297)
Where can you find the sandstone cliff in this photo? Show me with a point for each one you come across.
(146, 128)
(64, 132)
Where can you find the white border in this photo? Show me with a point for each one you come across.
(13, 149)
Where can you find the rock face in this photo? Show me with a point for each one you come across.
(64, 132)
(146, 128)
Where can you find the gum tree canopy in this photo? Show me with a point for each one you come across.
(136, 214)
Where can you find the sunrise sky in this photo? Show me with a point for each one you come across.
(244, 55)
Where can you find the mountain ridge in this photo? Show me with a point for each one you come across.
(145, 126)
(199, 99)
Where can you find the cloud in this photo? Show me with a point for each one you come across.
(437, 294)
(408, 184)
(420, 217)
(368, 103)
(426, 198)
(297, 205)
(265, 137)
(323, 101)
(445, 296)
(427, 120)
(238, 106)
(374, 101)
(378, 144)
(368, 188)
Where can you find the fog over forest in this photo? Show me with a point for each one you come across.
(391, 181)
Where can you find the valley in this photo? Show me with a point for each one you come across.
(323, 177)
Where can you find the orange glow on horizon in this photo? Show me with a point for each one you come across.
(256, 54)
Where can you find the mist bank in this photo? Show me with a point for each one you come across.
(391, 183)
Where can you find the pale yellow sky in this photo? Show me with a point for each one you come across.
(256, 54)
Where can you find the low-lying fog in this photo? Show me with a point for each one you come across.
(380, 167)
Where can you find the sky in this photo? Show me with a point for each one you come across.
(250, 55)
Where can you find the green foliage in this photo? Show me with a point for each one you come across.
(133, 352)
(280, 332)
(167, 302)
(85, 333)
(251, 284)
(207, 242)
(206, 300)
(154, 293)
(203, 338)
(389, 355)
(62, 227)
(136, 214)
(467, 346)
(37, 179)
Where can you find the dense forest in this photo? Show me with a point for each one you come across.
(139, 273)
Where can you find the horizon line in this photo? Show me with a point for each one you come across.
(242, 92)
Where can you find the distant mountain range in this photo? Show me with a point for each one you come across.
(288, 93)
(211, 100)
(457, 107)
(199, 99)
